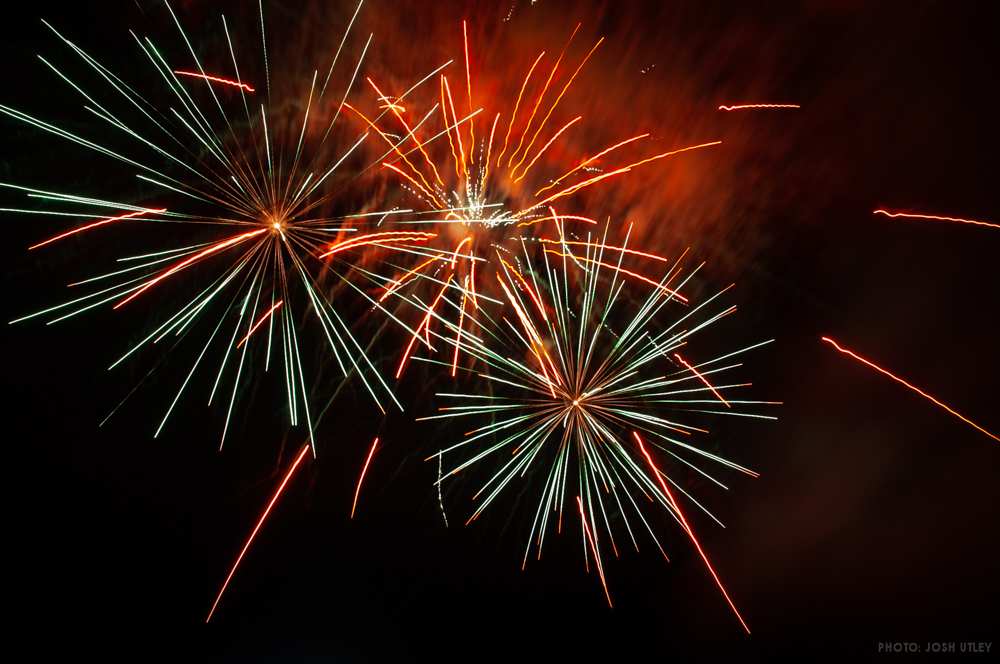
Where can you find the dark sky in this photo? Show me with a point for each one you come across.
(874, 518)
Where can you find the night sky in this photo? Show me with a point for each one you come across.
(874, 518)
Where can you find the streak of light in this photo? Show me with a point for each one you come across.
(912, 387)
(361, 478)
(102, 222)
(687, 528)
(260, 522)
(743, 107)
(702, 379)
(260, 322)
(215, 79)
(934, 217)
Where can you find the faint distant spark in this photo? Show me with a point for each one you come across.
(934, 217)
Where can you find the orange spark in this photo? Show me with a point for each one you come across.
(410, 274)
(541, 96)
(702, 379)
(394, 147)
(215, 79)
(908, 385)
(517, 105)
(377, 238)
(557, 100)
(590, 160)
(398, 110)
(95, 224)
(545, 147)
(426, 322)
(935, 217)
(740, 107)
(361, 478)
(673, 152)
(687, 528)
(193, 259)
(259, 322)
(260, 522)
(624, 169)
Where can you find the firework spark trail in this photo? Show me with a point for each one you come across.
(687, 528)
(96, 224)
(743, 107)
(361, 478)
(910, 386)
(380, 239)
(256, 529)
(235, 178)
(215, 79)
(933, 217)
(593, 548)
(702, 379)
(187, 262)
(475, 182)
(260, 322)
(567, 393)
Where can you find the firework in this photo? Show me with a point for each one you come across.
(485, 179)
(568, 393)
(245, 208)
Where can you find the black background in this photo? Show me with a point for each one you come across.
(874, 518)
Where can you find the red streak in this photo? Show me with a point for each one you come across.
(193, 259)
(935, 217)
(741, 107)
(361, 478)
(702, 379)
(597, 558)
(260, 522)
(95, 224)
(688, 529)
(259, 322)
(215, 79)
(912, 387)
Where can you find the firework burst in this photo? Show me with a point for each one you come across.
(486, 179)
(246, 206)
(578, 406)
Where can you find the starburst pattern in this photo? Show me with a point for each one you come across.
(568, 391)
